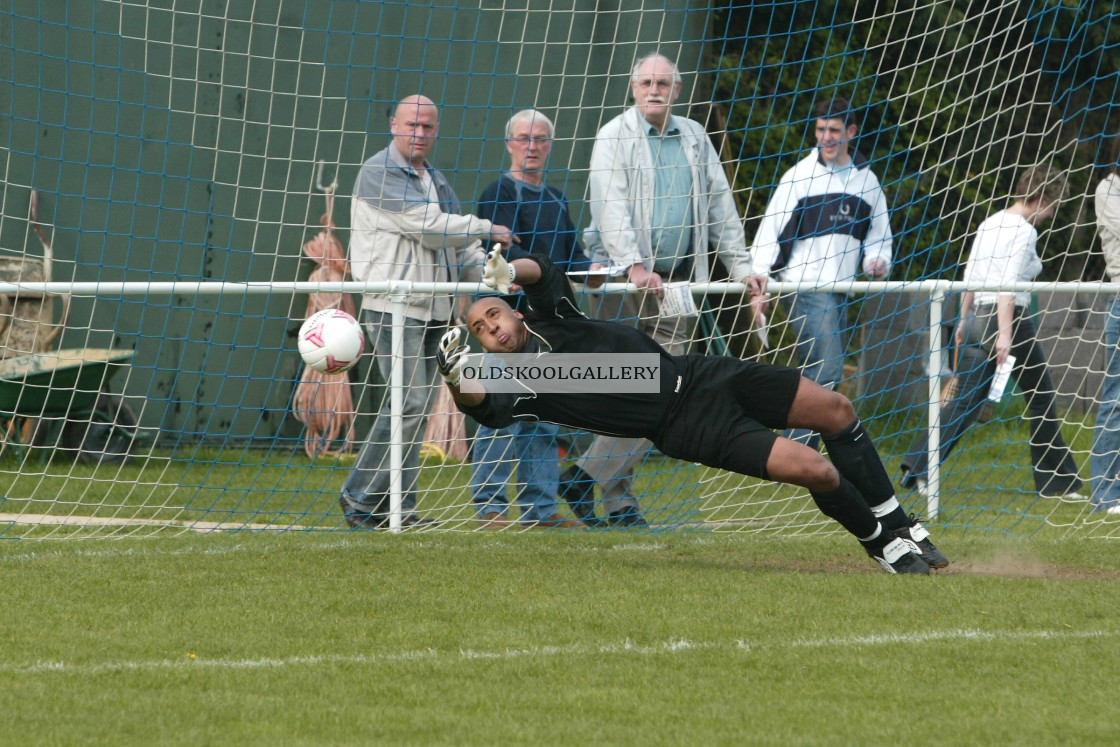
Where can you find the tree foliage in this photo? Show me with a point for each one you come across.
(957, 98)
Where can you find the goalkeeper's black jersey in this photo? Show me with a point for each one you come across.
(557, 325)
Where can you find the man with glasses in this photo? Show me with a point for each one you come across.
(538, 214)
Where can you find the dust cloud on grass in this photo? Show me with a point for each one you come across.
(1021, 562)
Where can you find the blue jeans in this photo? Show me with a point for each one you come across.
(367, 487)
(1105, 460)
(533, 446)
(820, 324)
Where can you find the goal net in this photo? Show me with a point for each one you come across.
(177, 200)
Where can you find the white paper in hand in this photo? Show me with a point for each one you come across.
(762, 331)
(678, 300)
(999, 381)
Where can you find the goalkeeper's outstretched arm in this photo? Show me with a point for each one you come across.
(546, 287)
(488, 408)
(527, 271)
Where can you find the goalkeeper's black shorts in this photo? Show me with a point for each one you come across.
(727, 411)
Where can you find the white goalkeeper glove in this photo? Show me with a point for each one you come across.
(498, 274)
(450, 356)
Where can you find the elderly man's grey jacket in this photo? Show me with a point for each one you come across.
(397, 233)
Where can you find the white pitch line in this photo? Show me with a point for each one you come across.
(152, 551)
(339, 540)
(124, 521)
(626, 648)
(957, 635)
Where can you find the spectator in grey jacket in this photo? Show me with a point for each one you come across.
(406, 224)
(660, 201)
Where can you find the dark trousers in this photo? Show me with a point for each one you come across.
(1055, 472)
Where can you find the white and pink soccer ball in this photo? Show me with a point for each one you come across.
(331, 341)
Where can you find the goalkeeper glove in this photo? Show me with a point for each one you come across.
(450, 356)
(498, 274)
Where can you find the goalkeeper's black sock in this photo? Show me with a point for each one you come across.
(879, 539)
(846, 506)
(855, 458)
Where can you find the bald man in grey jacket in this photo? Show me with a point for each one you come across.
(406, 224)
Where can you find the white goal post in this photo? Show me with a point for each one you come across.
(724, 503)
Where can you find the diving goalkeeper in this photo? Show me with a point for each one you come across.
(715, 410)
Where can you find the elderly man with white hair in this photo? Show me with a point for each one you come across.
(538, 214)
(660, 201)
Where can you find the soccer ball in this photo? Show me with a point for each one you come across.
(330, 341)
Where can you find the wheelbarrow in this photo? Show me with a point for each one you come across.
(55, 399)
(58, 400)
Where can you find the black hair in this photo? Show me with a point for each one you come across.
(837, 108)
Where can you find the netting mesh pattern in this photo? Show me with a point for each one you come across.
(193, 141)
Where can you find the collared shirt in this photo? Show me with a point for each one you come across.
(671, 230)
(1003, 252)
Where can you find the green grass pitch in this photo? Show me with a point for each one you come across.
(160, 635)
(554, 638)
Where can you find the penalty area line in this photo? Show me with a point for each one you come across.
(625, 648)
(121, 521)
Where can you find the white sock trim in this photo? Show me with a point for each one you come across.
(876, 533)
(885, 508)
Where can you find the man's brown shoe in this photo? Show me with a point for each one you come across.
(494, 521)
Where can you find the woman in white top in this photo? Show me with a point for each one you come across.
(1105, 461)
(1004, 252)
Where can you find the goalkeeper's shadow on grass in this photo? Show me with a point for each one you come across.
(746, 561)
(1001, 563)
